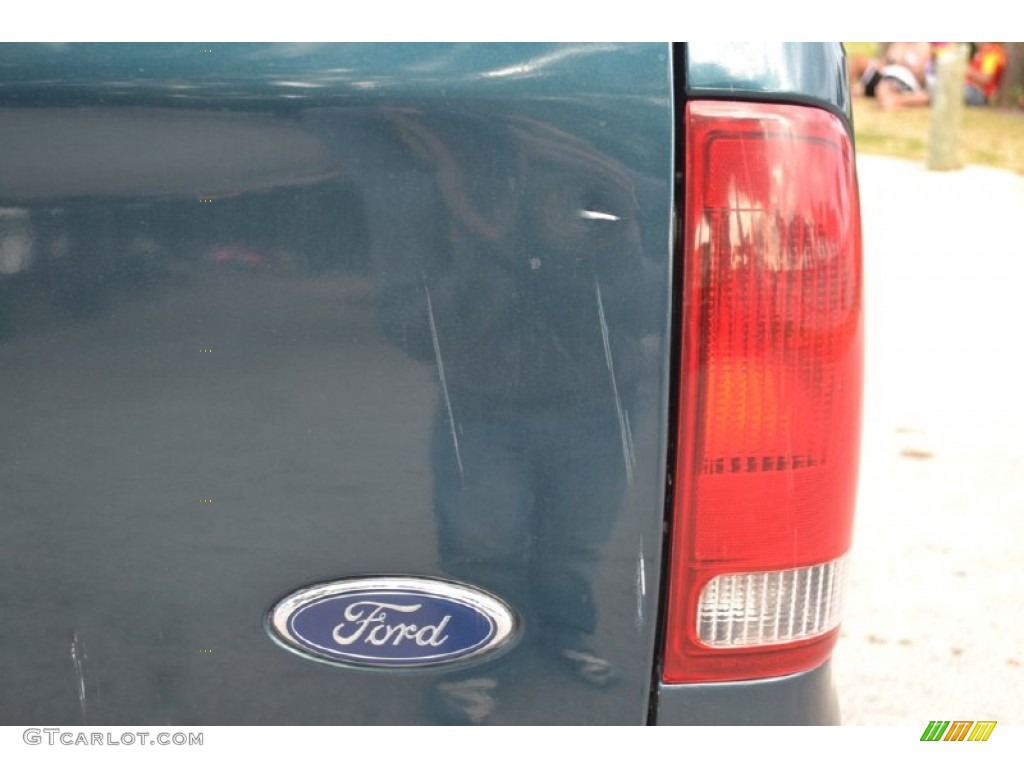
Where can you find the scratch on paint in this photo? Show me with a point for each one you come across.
(78, 659)
(641, 586)
(440, 375)
(629, 437)
(627, 449)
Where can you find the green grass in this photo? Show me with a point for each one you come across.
(988, 136)
(868, 49)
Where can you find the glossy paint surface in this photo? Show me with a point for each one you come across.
(272, 316)
(806, 73)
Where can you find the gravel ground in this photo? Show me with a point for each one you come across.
(935, 620)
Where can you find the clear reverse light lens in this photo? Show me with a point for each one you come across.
(771, 607)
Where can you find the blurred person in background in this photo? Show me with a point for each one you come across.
(898, 79)
(905, 76)
(984, 73)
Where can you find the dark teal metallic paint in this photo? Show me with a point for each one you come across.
(806, 73)
(273, 315)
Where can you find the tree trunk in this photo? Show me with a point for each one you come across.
(947, 109)
(1011, 91)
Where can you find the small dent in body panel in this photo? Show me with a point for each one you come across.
(599, 216)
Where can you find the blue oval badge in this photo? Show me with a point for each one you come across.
(392, 621)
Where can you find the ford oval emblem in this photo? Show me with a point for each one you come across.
(393, 622)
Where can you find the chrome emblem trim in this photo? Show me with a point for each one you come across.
(393, 622)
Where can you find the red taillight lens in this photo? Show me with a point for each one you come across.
(770, 391)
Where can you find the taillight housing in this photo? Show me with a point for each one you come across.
(770, 392)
